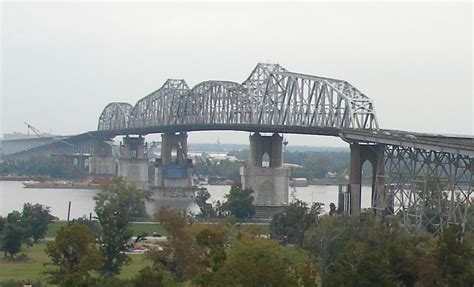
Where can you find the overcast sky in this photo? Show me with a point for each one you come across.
(63, 62)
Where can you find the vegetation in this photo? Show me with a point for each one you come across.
(36, 218)
(32, 269)
(138, 228)
(53, 167)
(455, 257)
(239, 202)
(115, 207)
(224, 255)
(225, 168)
(14, 234)
(290, 225)
(23, 228)
(365, 251)
(263, 262)
(206, 209)
(314, 164)
(306, 249)
(75, 254)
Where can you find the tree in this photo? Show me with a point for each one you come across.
(36, 218)
(180, 252)
(3, 223)
(212, 242)
(115, 206)
(332, 209)
(93, 226)
(74, 253)
(290, 225)
(149, 277)
(200, 199)
(239, 202)
(262, 262)
(359, 265)
(455, 257)
(14, 234)
(326, 238)
(54, 167)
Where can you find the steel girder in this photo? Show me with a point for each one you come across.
(270, 96)
(158, 106)
(115, 116)
(426, 189)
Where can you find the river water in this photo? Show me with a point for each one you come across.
(13, 196)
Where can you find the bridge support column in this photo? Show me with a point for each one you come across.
(355, 179)
(133, 165)
(380, 199)
(102, 161)
(173, 172)
(373, 154)
(270, 184)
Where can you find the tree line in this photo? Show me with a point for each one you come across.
(53, 167)
(313, 164)
(25, 227)
(370, 251)
(304, 247)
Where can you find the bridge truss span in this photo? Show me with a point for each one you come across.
(115, 116)
(426, 189)
(271, 96)
(159, 107)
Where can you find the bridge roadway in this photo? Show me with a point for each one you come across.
(463, 145)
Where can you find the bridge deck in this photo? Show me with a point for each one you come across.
(442, 143)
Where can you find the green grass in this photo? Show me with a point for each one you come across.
(54, 227)
(31, 269)
(137, 228)
(138, 263)
(34, 267)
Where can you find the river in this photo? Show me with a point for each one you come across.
(13, 196)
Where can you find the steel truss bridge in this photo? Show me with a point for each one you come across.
(424, 179)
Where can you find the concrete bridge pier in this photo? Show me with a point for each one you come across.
(133, 164)
(173, 171)
(270, 184)
(373, 154)
(102, 161)
(79, 163)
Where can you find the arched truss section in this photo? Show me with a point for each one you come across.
(271, 95)
(212, 102)
(285, 98)
(155, 108)
(115, 116)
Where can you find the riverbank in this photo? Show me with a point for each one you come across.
(23, 178)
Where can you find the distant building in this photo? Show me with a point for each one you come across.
(16, 142)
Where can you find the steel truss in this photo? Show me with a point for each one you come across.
(270, 96)
(115, 116)
(426, 189)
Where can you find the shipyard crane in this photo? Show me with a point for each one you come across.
(35, 130)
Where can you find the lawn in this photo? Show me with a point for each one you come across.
(137, 228)
(33, 268)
